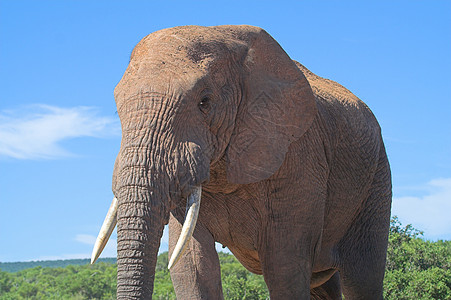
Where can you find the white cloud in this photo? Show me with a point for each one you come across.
(219, 248)
(35, 131)
(430, 213)
(164, 243)
(86, 239)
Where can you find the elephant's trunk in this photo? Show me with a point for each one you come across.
(155, 168)
(139, 227)
(141, 187)
(192, 212)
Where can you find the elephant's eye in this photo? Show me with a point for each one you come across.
(204, 104)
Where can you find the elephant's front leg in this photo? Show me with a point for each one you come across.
(287, 266)
(197, 274)
(288, 245)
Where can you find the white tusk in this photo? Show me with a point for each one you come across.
(105, 231)
(192, 212)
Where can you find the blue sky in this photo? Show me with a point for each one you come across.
(59, 131)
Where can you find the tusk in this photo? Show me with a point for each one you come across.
(105, 231)
(192, 212)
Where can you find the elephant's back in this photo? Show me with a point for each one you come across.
(342, 111)
(329, 90)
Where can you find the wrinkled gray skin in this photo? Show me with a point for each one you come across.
(295, 178)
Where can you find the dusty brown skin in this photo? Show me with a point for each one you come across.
(295, 178)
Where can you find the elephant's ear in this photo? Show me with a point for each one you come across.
(277, 108)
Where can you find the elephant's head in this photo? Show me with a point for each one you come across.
(192, 97)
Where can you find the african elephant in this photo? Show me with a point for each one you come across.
(291, 168)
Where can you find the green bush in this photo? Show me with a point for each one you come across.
(72, 282)
(239, 283)
(416, 269)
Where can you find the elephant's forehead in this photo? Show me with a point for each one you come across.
(190, 44)
(157, 77)
(171, 62)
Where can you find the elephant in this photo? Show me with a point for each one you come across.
(291, 170)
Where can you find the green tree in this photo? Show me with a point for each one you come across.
(163, 289)
(416, 268)
(72, 282)
(239, 283)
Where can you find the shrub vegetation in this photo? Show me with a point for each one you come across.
(416, 269)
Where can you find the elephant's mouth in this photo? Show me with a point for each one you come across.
(192, 212)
